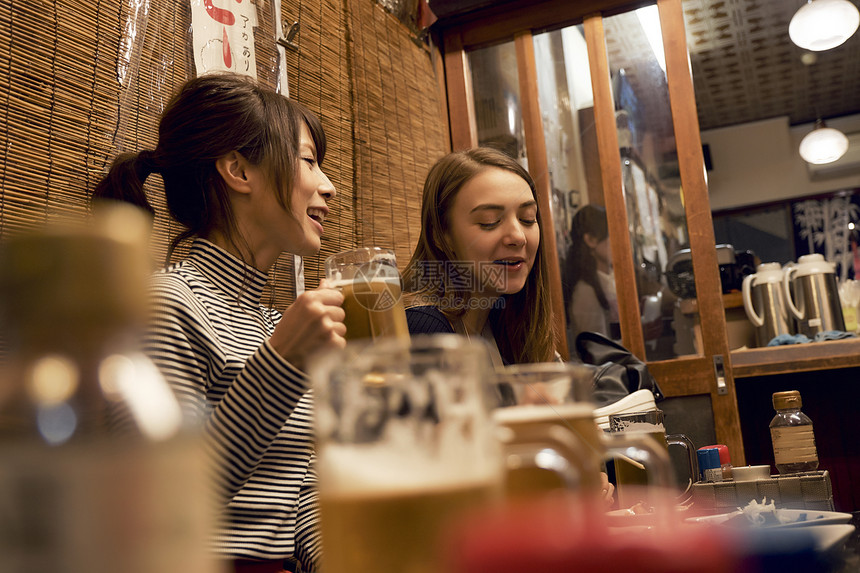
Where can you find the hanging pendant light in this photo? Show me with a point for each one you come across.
(823, 24)
(823, 144)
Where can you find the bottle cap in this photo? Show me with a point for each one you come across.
(724, 453)
(787, 399)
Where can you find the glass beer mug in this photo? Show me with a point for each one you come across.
(631, 475)
(405, 444)
(371, 287)
(539, 399)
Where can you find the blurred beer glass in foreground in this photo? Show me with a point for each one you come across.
(372, 301)
(405, 445)
(548, 405)
(630, 475)
(551, 440)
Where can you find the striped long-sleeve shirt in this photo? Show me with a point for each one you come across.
(209, 336)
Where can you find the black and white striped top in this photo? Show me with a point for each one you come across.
(209, 336)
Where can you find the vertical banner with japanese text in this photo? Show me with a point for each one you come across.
(223, 36)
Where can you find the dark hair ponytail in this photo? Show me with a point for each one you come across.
(580, 264)
(124, 181)
(210, 116)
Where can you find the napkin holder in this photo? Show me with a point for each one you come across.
(807, 490)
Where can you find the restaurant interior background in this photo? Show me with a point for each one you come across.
(756, 100)
(82, 81)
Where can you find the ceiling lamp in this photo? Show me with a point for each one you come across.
(823, 24)
(823, 144)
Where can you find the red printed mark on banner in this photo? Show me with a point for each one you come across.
(225, 17)
(228, 57)
(220, 15)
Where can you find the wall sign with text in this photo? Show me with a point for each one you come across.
(223, 36)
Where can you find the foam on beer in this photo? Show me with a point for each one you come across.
(354, 469)
(340, 283)
(645, 427)
(541, 413)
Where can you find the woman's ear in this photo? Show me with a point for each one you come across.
(233, 168)
(590, 240)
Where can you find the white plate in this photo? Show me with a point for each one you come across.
(626, 517)
(638, 401)
(808, 517)
(828, 537)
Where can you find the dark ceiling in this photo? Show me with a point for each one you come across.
(745, 67)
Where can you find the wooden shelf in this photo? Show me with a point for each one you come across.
(827, 355)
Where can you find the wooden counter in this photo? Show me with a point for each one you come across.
(826, 375)
(748, 361)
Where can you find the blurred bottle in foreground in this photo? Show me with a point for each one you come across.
(98, 470)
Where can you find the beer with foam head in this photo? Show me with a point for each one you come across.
(373, 309)
(370, 283)
(631, 475)
(395, 517)
(405, 447)
(551, 429)
(553, 416)
(528, 422)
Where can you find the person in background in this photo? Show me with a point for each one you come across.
(588, 284)
(480, 265)
(241, 172)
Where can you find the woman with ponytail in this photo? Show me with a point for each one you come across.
(241, 172)
(588, 284)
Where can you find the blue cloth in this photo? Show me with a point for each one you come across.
(788, 339)
(833, 335)
(783, 339)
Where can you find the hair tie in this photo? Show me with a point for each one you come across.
(146, 164)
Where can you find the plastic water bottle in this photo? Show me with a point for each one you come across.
(791, 432)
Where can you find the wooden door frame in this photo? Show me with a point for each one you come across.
(700, 226)
(516, 21)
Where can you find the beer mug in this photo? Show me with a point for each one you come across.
(631, 475)
(537, 400)
(405, 444)
(371, 287)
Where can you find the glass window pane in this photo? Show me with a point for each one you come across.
(652, 185)
(567, 111)
(496, 89)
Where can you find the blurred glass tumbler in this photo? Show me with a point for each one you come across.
(99, 462)
(552, 433)
(405, 444)
(649, 425)
(372, 292)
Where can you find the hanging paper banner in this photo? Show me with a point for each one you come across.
(223, 36)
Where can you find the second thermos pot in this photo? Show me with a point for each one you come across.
(812, 295)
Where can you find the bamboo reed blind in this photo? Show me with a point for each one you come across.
(66, 113)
